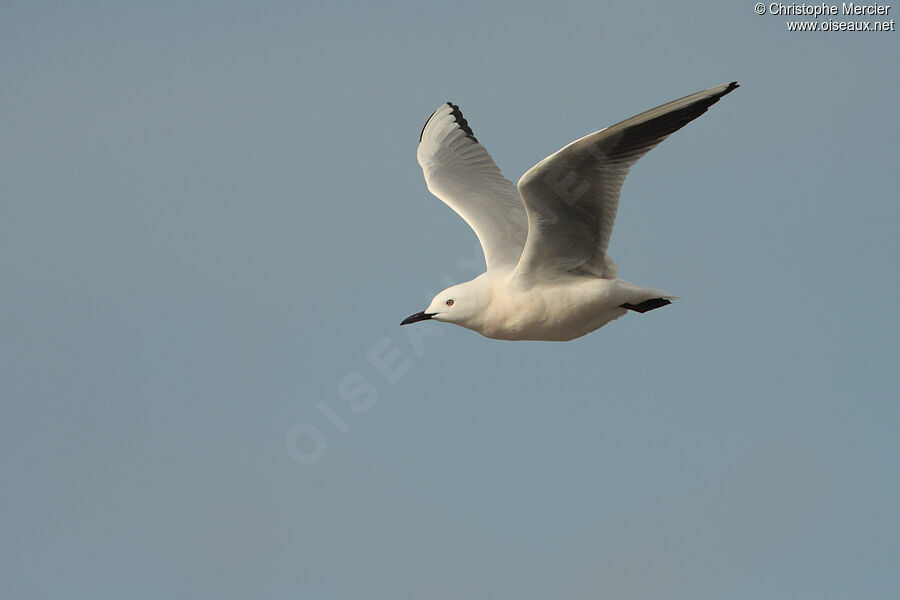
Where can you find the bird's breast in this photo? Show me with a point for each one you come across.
(561, 312)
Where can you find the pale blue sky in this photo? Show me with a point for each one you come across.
(212, 215)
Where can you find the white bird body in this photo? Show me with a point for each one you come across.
(558, 310)
(548, 275)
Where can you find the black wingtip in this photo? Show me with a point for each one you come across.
(731, 87)
(728, 89)
(461, 121)
(458, 117)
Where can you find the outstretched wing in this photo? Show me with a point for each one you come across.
(572, 196)
(459, 171)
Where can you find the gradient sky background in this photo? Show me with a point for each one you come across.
(211, 216)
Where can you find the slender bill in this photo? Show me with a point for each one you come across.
(419, 316)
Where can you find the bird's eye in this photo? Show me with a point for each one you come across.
(450, 302)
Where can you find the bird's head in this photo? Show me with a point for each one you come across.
(461, 304)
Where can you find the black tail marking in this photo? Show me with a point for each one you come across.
(647, 305)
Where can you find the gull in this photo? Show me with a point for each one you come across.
(548, 274)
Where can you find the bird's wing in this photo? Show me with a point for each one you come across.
(571, 196)
(460, 172)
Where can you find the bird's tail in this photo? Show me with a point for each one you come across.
(651, 304)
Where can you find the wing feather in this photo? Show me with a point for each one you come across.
(572, 196)
(460, 172)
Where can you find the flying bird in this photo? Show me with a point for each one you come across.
(548, 274)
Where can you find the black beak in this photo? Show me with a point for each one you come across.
(419, 316)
